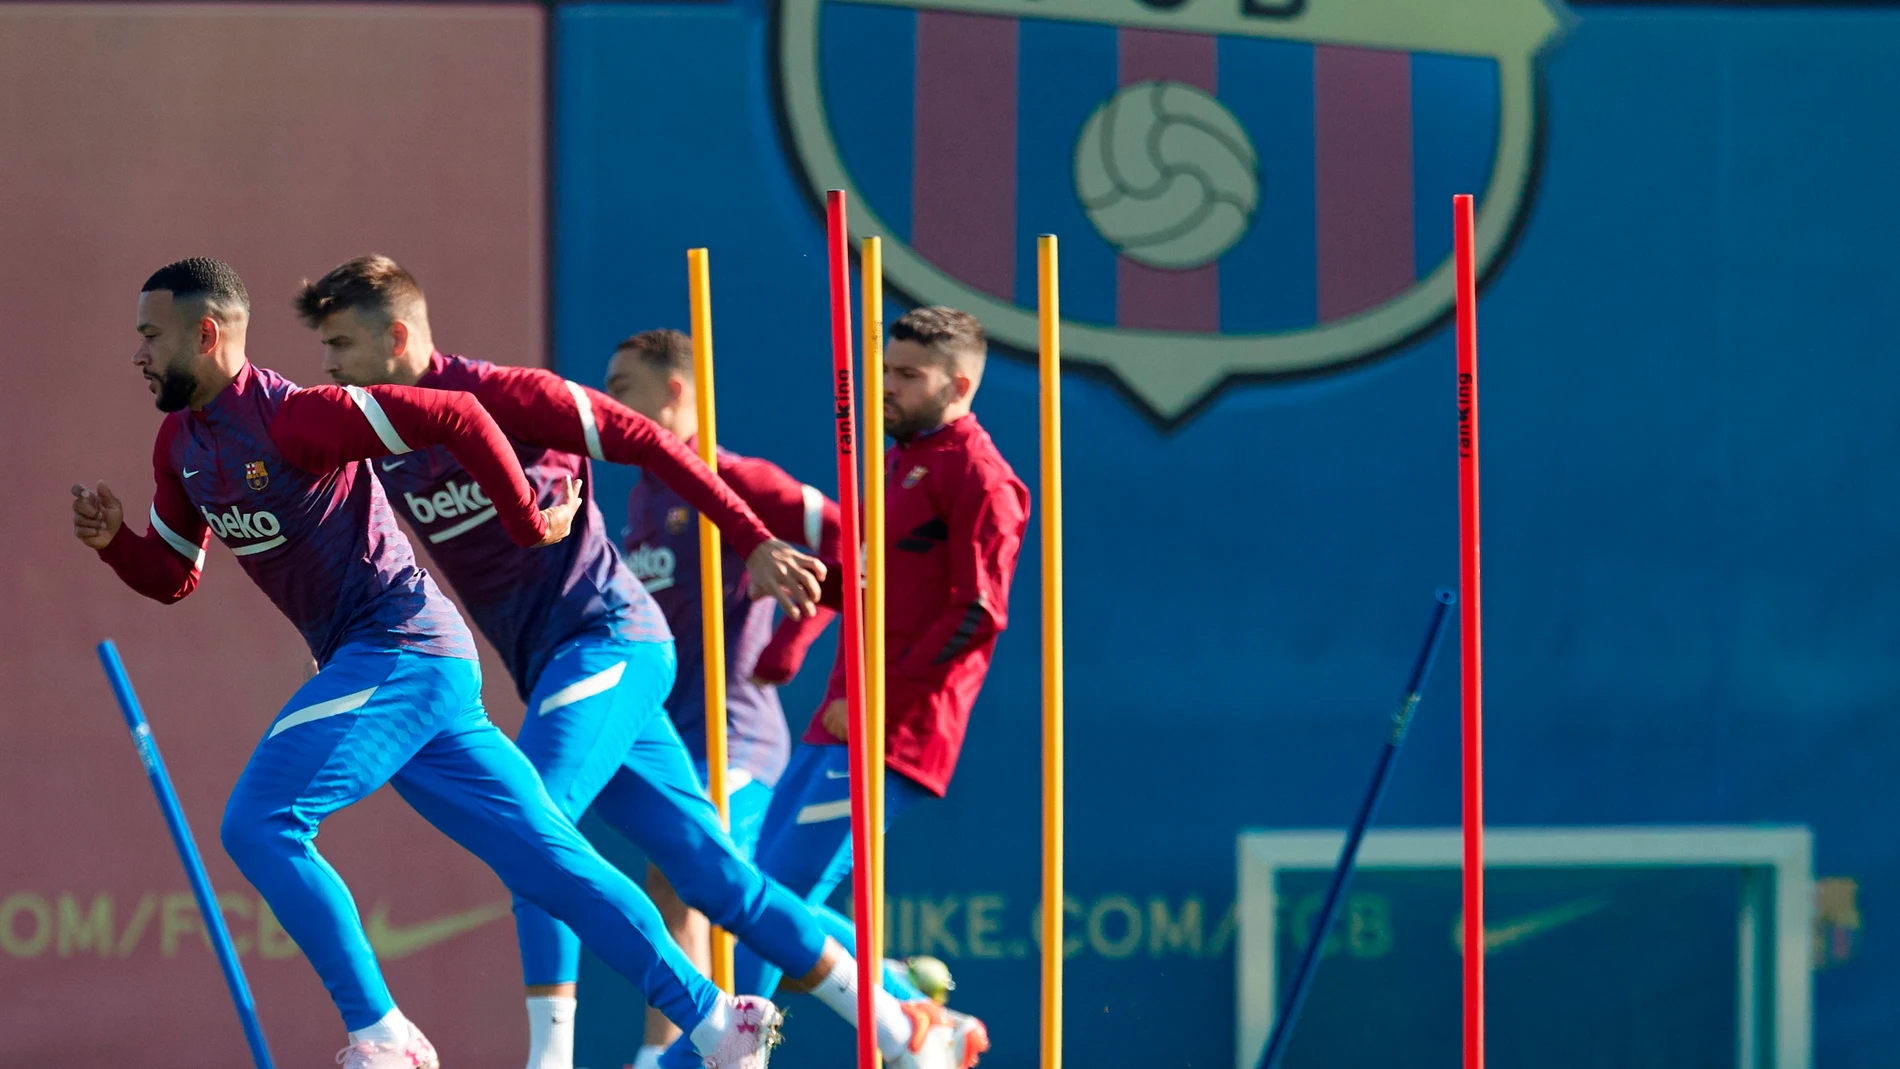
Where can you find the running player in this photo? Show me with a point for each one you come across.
(278, 473)
(589, 651)
(954, 520)
(652, 373)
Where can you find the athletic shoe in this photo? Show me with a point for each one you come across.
(748, 1040)
(418, 1053)
(941, 1038)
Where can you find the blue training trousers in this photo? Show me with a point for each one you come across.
(375, 715)
(597, 731)
(805, 844)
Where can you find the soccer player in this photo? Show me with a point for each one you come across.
(589, 651)
(279, 473)
(954, 519)
(652, 373)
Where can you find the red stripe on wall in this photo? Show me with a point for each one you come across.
(963, 193)
(1150, 297)
(1362, 153)
(1162, 55)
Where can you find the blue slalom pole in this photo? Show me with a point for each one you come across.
(1349, 853)
(187, 852)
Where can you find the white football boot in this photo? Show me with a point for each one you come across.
(418, 1053)
(941, 1038)
(748, 1040)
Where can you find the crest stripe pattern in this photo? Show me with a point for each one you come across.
(1146, 296)
(964, 189)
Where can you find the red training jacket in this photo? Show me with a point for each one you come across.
(954, 515)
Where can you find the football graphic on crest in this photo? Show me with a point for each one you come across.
(1167, 174)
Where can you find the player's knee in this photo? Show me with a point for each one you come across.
(253, 830)
(245, 832)
(718, 887)
(561, 792)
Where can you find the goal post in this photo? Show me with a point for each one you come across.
(1607, 945)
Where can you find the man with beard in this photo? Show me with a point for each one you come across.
(954, 519)
(590, 652)
(281, 475)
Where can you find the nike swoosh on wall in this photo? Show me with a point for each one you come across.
(392, 942)
(1530, 925)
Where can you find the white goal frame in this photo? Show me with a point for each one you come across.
(1779, 906)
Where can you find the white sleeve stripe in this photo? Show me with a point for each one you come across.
(814, 515)
(192, 553)
(588, 427)
(378, 419)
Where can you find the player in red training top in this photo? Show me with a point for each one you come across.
(652, 373)
(954, 520)
(279, 474)
(589, 650)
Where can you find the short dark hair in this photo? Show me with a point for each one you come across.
(374, 282)
(662, 350)
(205, 279)
(942, 330)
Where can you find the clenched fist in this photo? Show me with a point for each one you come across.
(97, 515)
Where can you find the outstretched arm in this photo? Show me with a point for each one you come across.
(325, 427)
(536, 405)
(797, 513)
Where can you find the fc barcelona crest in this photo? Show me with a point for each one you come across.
(676, 519)
(256, 476)
(1241, 187)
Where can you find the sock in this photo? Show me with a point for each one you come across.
(392, 1031)
(551, 1032)
(839, 990)
(706, 1033)
(648, 1058)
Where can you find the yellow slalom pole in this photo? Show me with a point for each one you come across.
(712, 594)
(873, 261)
(1050, 366)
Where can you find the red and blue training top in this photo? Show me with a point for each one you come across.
(528, 602)
(279, 474)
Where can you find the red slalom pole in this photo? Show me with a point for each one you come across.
(838, 252)
(1470, 625)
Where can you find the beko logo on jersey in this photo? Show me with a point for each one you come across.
(240, 524)
(653, 566)
(453, 500)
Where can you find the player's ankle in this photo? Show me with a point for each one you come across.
(839, 991)
(551, 1031)
(705, 1035)
(393, 1030)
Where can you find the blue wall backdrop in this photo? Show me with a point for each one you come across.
(1692, 577)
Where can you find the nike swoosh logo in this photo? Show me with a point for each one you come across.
(189, 473)
(1531, 925)
(392, 942)
(392, 465)
(829, 774)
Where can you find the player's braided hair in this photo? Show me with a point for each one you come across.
(202, 278)
(375, 283)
